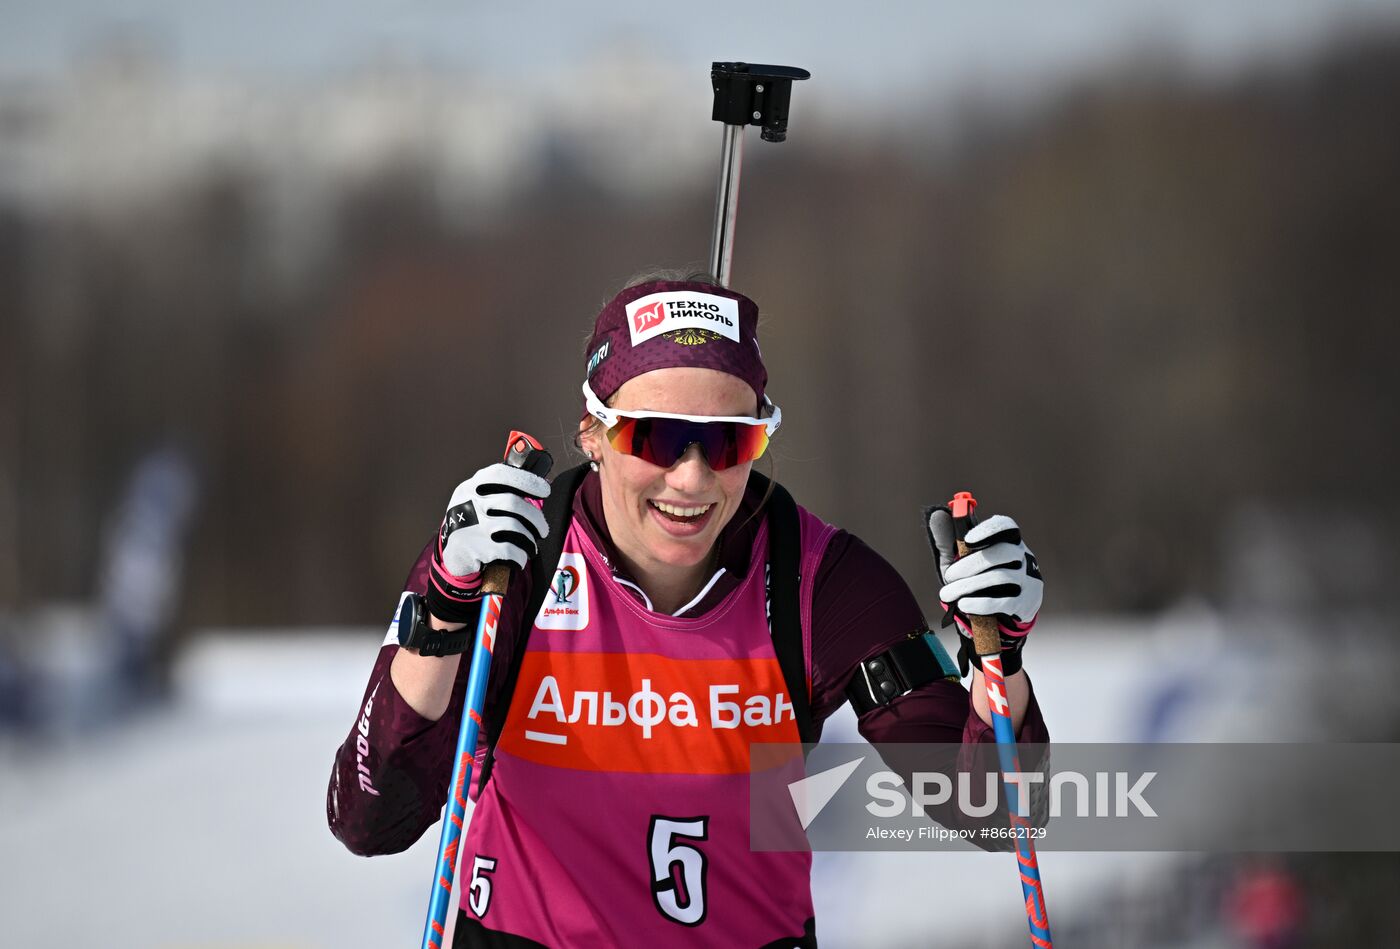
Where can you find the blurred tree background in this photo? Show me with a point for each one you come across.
(1148, 301)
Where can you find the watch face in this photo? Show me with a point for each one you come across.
(408, 618)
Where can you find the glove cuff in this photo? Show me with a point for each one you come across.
(451, 610)
(451, 598)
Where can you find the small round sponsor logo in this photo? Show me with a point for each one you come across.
(565, 583)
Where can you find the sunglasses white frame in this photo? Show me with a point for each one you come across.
(610, 417)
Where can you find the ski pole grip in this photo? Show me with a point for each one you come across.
(522, 451)
(986, 638)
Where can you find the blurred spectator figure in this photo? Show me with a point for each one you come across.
(83, 665)
(1265, 906)
(16, 704)
(141, 572)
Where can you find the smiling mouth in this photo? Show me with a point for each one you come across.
(681, 514)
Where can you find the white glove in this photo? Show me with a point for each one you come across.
(999, 577)
(488, 520)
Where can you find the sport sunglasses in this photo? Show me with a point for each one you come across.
(661, 438)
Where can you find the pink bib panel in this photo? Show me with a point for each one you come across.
(618, 808)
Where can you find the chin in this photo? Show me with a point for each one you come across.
(682, 553)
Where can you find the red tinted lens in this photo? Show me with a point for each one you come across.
(662, 441)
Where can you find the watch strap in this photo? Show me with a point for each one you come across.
(425, 639)
(439, 643)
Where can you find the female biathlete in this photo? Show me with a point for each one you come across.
(614, 807)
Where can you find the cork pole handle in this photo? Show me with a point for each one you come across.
(496, 577)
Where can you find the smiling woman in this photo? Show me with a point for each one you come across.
(678, 608)
(683, 430)
(665, 521)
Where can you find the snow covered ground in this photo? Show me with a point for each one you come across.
(203, 824)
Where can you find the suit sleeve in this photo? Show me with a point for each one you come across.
(861, 607)
(389, 781)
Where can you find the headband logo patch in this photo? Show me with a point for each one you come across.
(692, 337)
(599, 354)
(646, 317)
(682, 316)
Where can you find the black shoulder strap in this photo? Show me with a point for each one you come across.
(558, 510)
(784, 599)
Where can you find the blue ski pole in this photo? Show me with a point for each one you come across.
(986, 639)
(522, 451)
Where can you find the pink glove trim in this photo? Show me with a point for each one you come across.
(469, 582)
(1010, 628)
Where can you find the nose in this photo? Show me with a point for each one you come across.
(691, 474)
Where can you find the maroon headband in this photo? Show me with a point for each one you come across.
(665, 323)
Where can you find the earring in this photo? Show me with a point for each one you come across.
(593, 465)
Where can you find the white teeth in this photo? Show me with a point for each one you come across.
(674, 511)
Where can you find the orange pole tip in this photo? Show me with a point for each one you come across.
(513, 443)
(963, 504)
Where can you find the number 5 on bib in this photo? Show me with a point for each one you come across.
(683, 900)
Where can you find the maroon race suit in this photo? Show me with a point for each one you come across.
(390, 778)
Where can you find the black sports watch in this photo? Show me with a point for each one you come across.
(415, 633)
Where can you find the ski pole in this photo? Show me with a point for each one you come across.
(745, 94)
(522, 451)
(986, 640)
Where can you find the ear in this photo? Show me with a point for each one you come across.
(590, 436)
